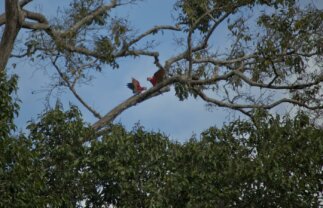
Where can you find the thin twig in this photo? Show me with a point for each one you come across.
(72, 89)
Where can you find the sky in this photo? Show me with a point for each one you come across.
(165, 113)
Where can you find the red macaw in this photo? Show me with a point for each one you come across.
(135, 86)
(158, 77)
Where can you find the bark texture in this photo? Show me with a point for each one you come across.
(11, 30)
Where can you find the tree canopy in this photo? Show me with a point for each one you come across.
(273, 57)
(61, 163)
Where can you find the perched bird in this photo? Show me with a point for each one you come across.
(135, 86)
(158, 77)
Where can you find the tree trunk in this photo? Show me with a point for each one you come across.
(12, 27)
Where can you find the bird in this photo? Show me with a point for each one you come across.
(134, 85)
(157, 77)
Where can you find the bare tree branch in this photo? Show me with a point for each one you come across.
(224, 62)
(35, 16)
(23, 3)
(152, 31)
(318, 80)
(125, 51)
(201, 46)
(35, 26)
(132, 101)
(27, 53)
(72, 89)
(235, 106)
(152, 92)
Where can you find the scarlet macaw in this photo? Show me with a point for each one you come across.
(135, 86)
(158, 77)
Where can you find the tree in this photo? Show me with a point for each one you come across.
(8, 103)
(61, 163)
(278, 52)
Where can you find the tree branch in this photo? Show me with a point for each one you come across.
(201, 46)
(10, 33)
(35, 16)
(225, 62)
(278, 87)
(100, 10)
(35, 26)
(23, 3)
(153, 30)
(254, 106)
(72, 89)
(2, 19)
(152, 92)
(134, 100)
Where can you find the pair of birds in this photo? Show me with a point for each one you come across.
(155, 79)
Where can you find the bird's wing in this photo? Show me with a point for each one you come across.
(136, 84)
(130, 86)
(159, 75)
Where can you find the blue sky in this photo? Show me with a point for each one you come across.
(166, 113)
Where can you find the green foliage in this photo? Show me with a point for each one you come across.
(183, 91)
(21, 182)
(290, 29)
(192, 10)
(59, 140)
(8, 105)
(130, 168)
(202, 12)
(80, 9)
(62, 162)
(45, 167)
(276, 165)
(105, 48)
(119, 29)
(274, 162)
(284, 36)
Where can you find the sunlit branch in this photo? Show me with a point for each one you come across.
(35, 16)
(35, 26)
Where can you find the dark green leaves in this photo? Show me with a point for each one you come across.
(199, 14)
(80, 9)
(8, 105)
(105, 48)
(62, 163)
(192, 10)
